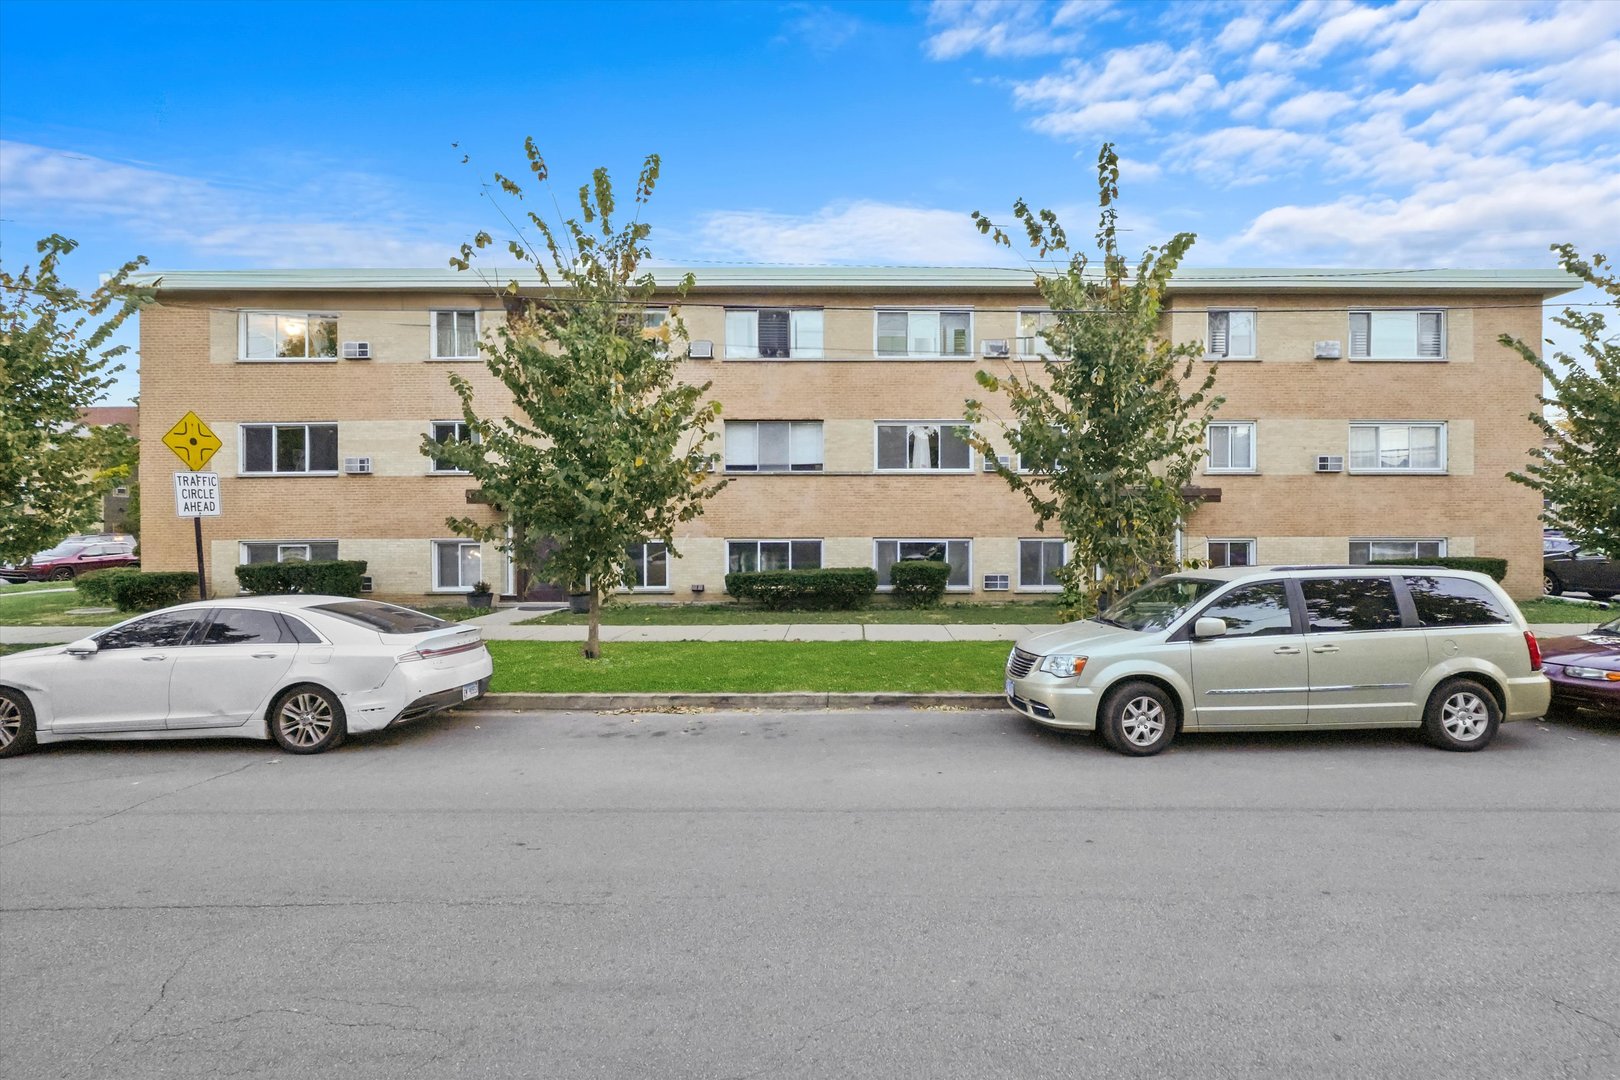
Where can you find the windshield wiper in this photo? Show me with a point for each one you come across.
(1106, 621)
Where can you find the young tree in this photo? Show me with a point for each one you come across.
(604, 447)
(1112, 424)
(55, 362)
(1579, 470)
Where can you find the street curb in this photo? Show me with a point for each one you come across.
(794, 700)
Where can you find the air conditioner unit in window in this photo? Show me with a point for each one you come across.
(1329, 463)
(700, 350)
(990, 463)
(1328, 350)
(357, 350)
(997, 582)
(357, 466)
(365, 582)
(996, 347)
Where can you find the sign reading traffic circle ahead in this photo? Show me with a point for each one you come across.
(196, 494)
(192, 441)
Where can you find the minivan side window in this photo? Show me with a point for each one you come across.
(1333, 605)
(1253, 610)
(1447, 601)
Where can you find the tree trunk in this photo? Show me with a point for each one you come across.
(593, 637)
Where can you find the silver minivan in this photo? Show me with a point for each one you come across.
(1288, 648)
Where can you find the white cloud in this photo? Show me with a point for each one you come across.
(1002, 27)
(858, 232)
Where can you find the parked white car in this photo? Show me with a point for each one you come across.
(302, 670)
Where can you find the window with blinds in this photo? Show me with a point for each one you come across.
(773, 446)
(1397, 335)
(924, 333)
(1231, 447)
(1398, 448)
(773, 334)
(1231, 335)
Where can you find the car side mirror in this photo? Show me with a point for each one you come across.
(83, 647)
(1208, 628)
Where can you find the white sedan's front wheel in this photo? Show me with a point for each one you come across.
(307, 720)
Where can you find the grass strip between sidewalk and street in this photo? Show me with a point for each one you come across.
(50, 609)
(881, 612)
(749, 667)
(1548, 610)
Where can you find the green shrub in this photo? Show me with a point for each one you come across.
(97, 586)
(828, 589)
(142, 591)
(1496, 568)
(334, 577)
(920, 582)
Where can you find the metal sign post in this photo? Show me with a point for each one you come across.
(196, 493)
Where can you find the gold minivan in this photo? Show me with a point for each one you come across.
(1288, 648)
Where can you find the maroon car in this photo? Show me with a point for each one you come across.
(1584, 670)
(73, 557)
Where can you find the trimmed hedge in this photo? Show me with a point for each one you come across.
(920, 582)
(334, 577)
(828, 589)
(1496, 568)
(137, 590)
(97, 586)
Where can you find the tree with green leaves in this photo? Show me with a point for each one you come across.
(55, 362)
(603, 446)
(1578, 468)
(1109, 421)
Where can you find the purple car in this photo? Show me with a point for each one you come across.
(1584, 670)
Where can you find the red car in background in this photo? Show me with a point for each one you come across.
(74, 556)
(1584, 670)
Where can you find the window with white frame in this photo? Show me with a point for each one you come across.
(1231, 553)
(924, 333)
(749, 555)
(1231, 335)
(455, 335)
(275, 335)
(654, 317)
(274, 551)
(650, 563)
(1398, 448)
(458, 565)
(1032, 328)
(1363, 552)
(1231, 447)
(773, 333)
(288, 449)
(1397, 335)
(773, 446)
(1038, 564)
(929, 446)
(958, 553)
(450, 431)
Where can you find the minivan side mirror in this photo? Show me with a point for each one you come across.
(1207, 628)
(83, 647)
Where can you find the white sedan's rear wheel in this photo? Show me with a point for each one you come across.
(307, 720)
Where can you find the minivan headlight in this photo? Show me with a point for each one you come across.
(1063, 665)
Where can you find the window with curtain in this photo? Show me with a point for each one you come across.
(1398, 448)
(773, 446)
(923, 447)
(1231, 447)
(773, 334)
(924, 333)
(455, 335)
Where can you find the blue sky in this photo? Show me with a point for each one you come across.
(320, 134)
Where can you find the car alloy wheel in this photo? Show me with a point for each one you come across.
(1137, 718)
(1462, 714)
(1465, 716)
(307, 720)
(1142, 721)
(11, 721)
(16, 723)
(1551, 585)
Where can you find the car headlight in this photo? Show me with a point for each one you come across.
(1063, 665)
(1592, 673)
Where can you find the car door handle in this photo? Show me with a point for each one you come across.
(264, 656)
(151, 659)
(1325, 648)
(1287, 650)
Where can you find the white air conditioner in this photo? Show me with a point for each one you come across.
(1329, 463)
(357, 350)
(365, 582)
(997, 347)
(990, 463)
(997, 582)
(357, 466)
(700, 350)
(1328, 350)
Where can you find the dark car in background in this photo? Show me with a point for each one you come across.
(1572, 570)
(1584, 670)
(74, 556)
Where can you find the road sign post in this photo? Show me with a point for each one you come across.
(196, 493)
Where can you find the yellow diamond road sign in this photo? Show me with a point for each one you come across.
(192, 441)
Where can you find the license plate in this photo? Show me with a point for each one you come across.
(1009, 688)
(469, 691)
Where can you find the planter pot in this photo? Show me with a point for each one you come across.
(579, 603)
(479, 599)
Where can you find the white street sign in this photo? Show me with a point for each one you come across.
(196, 494)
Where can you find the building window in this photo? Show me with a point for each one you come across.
(773, 333)
(455, 335)
(289, 449)
(458, 565)
(451, 431)
(748, 555)
(1231, 447)
(1032, 328)
(1231, 335)
(1038, 564)
(937, 446)
(1397, 335)
(269, 335)
(959, 553)
(273, 551)
(924, 333)
(773, 446)
(1398, 448)
(650, 562)
(1231, 552)
(1363, 552)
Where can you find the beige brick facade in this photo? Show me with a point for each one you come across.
(1302, 407)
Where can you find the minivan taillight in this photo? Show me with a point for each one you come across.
(1535, 650)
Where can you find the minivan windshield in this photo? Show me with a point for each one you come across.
(1157, 604)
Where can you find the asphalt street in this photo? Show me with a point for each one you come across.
(859, 894)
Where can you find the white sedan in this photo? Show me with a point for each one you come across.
(302, 670)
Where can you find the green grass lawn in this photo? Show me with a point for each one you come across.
(7, 650)
(749, 666)
(32, 586)
(49, 609)
(732, 614)
(1548, 610)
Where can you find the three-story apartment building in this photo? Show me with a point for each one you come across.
(1368, 414)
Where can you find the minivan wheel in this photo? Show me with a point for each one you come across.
(1550, 584)
(307, 720)
(1138, 719)
(1461, 715)
(16, 722)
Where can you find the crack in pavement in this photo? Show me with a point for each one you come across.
(322, 1018)
(162, 995)
(1610, 1024)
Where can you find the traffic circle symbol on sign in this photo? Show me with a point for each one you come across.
(192, 441)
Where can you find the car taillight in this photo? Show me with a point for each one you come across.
(430, 652)
(1535, 650)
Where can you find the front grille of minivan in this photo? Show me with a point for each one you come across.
(1020, 663)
